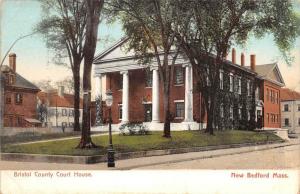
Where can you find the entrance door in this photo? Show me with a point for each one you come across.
(148, 112)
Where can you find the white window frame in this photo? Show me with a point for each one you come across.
(179, 102)
(239, 85)
(120, 111)
(222, 111)
(231, 112)
(221, 79)
(231, 82)
(248, 88)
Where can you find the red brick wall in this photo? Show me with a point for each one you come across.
(271, 107)
(25, 110)
(138, 92)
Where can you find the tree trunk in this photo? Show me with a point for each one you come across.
(93, 14)
(76, 76)
(167, 116)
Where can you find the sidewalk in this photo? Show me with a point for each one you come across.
(175, 158)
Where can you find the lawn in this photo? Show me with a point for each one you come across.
(154, 141)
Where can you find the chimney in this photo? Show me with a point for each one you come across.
(242, 60)
(12, 61)
(61, 91)
(233, 56)
(252, 62)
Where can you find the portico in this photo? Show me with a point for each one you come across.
(138, 102)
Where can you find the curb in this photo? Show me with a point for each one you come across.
(122, 156)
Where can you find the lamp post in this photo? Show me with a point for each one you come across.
(110, 150)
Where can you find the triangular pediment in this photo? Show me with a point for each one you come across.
(275, 75)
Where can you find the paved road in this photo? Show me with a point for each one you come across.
(287, 157)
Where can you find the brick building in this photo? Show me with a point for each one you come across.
(137, 91)
(19, 98)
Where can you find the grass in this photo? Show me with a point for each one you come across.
(155, 141)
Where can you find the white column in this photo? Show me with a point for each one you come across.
(98, 99)
(125, 97)
(155, 96)
(188, 100)
(98, 86)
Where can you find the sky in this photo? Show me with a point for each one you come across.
(18, 17)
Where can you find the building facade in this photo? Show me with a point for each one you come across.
(138, 94)
(290, 106)
(56, 109)
(20, 98)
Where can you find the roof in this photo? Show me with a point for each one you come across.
(287, 94)
(269, 72)
(30, 120)
(21, 82)
(54, 100)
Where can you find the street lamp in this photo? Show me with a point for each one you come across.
(110, 150)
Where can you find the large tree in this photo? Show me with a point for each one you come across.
(148, 24)
(93, 10)
(64, 28)
(71, 29)
(208, 29)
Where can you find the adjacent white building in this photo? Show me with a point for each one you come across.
(56, 109)
(290, 110)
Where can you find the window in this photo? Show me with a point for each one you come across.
(257, 93)
(268, 117)
(239, 86)
(221, 79)
(298, 107)
(286, 107)
(120, 82)
(231, 82)
(19, 121)
(120, 110)
(286, 122)
(71, 112)
(276, 118)
(222, 111)
(178, 75)
(270, 93)
(8, 100)
(64, 112)
(240, 113)
(248, 88)
(267, 94)
(231, 112)
(71, 124)
(148, 79)
(248, 115)
(19, 98)
(276, 98)
(207, 77)
(179, 109)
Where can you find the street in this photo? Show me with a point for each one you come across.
(287, 157)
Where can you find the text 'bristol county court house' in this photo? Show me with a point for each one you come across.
(137, 92)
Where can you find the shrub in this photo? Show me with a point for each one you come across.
(134, 129)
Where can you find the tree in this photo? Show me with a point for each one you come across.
(207, 30)
(93, 10)
(148, 26)
(64, 28)
(44, 85)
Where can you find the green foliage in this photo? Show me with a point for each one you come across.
(134, 129)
